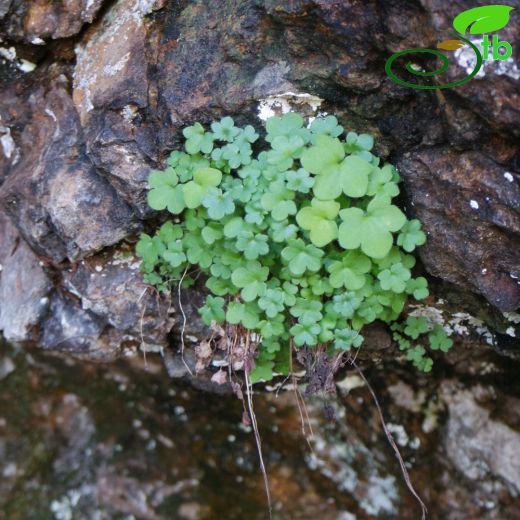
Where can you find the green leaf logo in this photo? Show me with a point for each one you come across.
(481, 20)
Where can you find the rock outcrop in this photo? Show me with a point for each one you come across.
(95, 93)
(110, 96)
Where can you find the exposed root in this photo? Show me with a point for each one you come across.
(141, 321)
(302, 407)
(390, 438)
(183, 321)
(254, 424)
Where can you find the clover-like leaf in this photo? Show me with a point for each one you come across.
(326, 152)
(371, 230)
(170, 232)
(319, 220)
(439, 340)
(299, 180)
(225, 130)
(359, 144)
(149, 248)
(350, 271)
(326, 126)
(236, 155)
(381, 182)
(411, 236)
(213, 310)
(395, 278)
(197, 251)
(282, 231)
(284, 150)
(345, 304)
(417, 356)
(220, 286)
(211, 233)
(349, 177)
(203, 179)
(301, 257)
(251, 279)
(290, 124)
(415, 326)
(174, 255)
(217, 203)
(272, 302)
(305, 333)
(484, 19)
(165, 192)
(263, 371)
(307, 310)
(278, 200)
(244, 313)
(272, 328)
(253, 245)
(247, 135)
(347, 338)
(418, 287)
(197, 140)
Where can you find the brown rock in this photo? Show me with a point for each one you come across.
(470, 208)
(53, 193)
(111, 94)
(40, 20)
(111, 287)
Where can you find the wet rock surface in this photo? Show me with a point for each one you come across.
(129, 444)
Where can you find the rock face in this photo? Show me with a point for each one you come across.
(24, 285)
(115, 82)
(109, 99)
(481, 251)
(34, 22)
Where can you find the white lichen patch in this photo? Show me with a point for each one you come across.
(10, 54)
(26, 66)
(286, 102)
(350, 383)
(464, 324)
(513, 317)
(466, 58)
(129, 112)
(63, 509)
(460, 323)
(432, 314)
(112, 69)
(510, 331)
(7, 141)
(399, 434)
(121, 258)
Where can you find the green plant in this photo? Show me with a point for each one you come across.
(298, 242)
(416, 327)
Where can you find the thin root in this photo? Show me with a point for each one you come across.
(183, 321)
(390, 438)
(258, 440)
